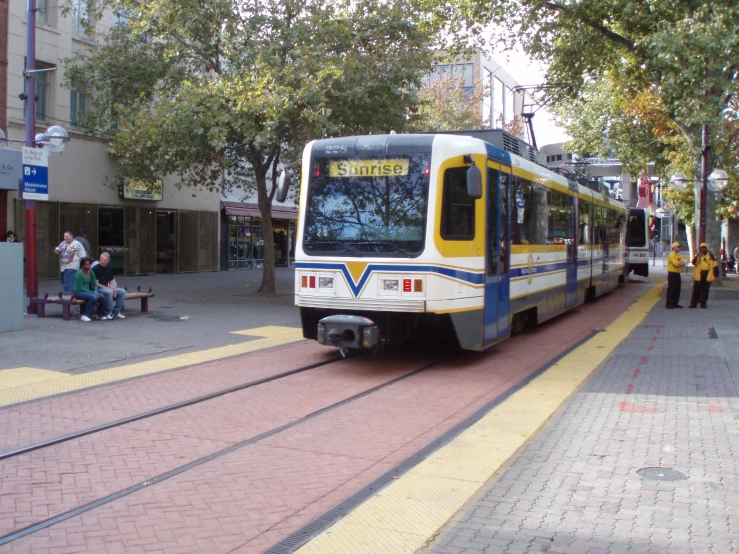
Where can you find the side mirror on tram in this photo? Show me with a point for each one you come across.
(474, 182)
(283, 185)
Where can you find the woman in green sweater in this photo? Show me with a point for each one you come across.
(86, 288)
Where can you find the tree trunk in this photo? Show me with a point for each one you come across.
(713, 233)
(267, 287)
(690, 232)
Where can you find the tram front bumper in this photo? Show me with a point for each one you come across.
(348, 332)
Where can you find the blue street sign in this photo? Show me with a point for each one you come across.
(35, 174)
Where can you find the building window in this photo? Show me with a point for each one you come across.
(77, 104)
(81, 18)
(43, 91)
(508, 106)
(42, 12)
(569, 156)
(559, 157)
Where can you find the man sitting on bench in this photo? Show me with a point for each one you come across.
(108, 289)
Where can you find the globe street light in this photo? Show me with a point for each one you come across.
(715, 182)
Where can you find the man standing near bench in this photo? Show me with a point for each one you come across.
(70, 253)
(108, 288)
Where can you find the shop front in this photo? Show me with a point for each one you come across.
(244, 239)
(141, 240)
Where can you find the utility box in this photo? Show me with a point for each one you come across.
(11, 287)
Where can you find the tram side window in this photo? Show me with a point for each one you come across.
(530, 207)
(560, 219)
(585, 225)
(601, 228)
(616, 227)
(457, 209)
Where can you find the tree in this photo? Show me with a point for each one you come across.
(609, 120)
(223, 91)
(444, 106)
(685, 53)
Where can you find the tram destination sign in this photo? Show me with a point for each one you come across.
(368, 168)
(35, 173)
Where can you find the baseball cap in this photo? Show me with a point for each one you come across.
(704, 244)
(676, 245)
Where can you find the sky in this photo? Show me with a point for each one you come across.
(526, 72)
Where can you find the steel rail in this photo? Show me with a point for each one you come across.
(159, 478)
(158, 411)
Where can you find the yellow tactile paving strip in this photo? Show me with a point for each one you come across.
(404, 515)
(21, 384)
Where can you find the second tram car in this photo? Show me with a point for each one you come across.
(637, 242)
(399, 231)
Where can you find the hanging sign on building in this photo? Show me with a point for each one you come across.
(136, 189)
(35, 173)
(10, 168)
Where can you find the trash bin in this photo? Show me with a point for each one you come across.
(12, 303)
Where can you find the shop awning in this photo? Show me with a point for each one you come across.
(252, 210)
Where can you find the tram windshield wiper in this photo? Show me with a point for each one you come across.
(378, 245)
(332, 245)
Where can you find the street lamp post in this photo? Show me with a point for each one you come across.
(54, 140)
(715, 182)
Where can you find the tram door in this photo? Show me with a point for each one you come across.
(497, 284)
(571, 286)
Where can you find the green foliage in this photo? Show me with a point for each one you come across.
(444, 106)
(209, 88)
(645, 76)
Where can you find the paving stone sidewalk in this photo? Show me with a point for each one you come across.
(667, 399)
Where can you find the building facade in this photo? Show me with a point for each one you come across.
(171, 229)
(501, 105)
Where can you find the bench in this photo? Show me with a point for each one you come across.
(41, 302)
(68, 300)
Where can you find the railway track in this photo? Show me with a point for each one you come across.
(70, 513)
(159, 411)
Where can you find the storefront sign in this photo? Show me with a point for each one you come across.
(135, 189)
(10, 168)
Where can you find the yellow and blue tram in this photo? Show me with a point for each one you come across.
(403, 232)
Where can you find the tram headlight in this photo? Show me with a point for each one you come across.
(325, 282)
(390, 284)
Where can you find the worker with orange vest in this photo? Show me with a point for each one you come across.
(675, 264)
(706, 270)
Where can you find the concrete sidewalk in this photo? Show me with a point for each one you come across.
(644, 458)
(190, 312)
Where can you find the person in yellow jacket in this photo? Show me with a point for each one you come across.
(675, 264)
(703, 275)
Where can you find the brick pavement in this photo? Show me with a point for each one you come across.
(258, 495)
(665, 399)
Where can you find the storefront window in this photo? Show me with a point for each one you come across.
(246, 242)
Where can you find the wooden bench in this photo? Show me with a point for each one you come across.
(68, 300)
(41, 302)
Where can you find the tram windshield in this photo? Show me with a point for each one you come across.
(367, 207)
(637, 228)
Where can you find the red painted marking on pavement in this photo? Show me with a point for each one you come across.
(658, 331)
(714, 409)
(638, 409)
(654, 338)
(650, 348)
(629, 389)
(636, 373)
(644, 360)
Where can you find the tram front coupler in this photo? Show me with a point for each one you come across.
(349, 332)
